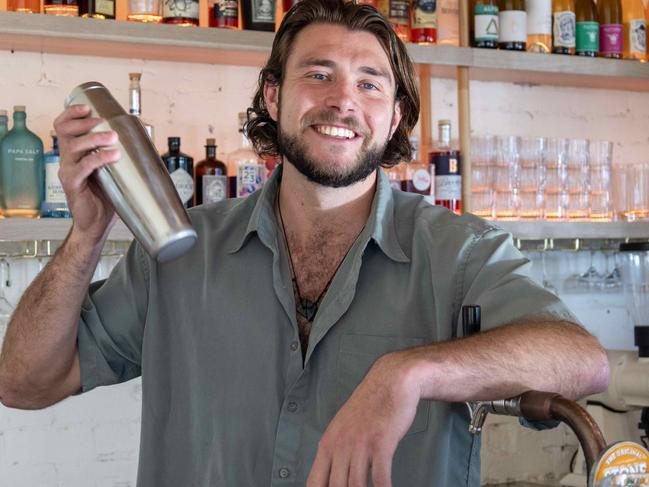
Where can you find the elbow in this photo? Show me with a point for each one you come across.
(599, 371)
(16, 397)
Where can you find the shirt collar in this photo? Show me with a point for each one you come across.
(380, 224)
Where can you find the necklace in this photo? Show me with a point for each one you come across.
(304, 306)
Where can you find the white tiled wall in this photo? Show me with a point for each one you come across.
(93, 440)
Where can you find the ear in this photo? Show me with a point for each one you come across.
(271, 98)
(396, 118)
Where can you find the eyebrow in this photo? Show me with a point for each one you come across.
(328, 63)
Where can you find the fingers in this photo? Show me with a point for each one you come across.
(74, 176)
(79, 146)
(382, 469)
(319, 475)
(358, 469)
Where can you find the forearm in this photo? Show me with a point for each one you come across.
(504, 362)
(39, 350)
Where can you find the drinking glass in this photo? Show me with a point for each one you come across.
(578, 180)
(532, 178)
(637, 192)
(601, 156)
(483, 154)
(555, 194)
(506, 186)
(619, 174)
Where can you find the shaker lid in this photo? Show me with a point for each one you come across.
(634, 247)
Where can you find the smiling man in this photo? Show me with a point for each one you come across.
(310, 336)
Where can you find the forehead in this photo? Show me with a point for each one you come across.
(340, 45)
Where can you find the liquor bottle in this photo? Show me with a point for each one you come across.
(448, 22)
(258, 14)
(512, 25)
(587, 38)
(448, 178)
(25, 6)
(485, 24)
(180, 12)
(97, 9)
(419, 176)
(4, 123)
(181, 169)
(224, 14)
(210, 177)
(135, 102)
(246, 171)
(611, 29)
(423, 22)
(563, 27)
(373, 3)
(62, 8)
(396, 176)
(398, 14)
(144, 11)
(635, 30)
(54, 203)
(539, 25)
(21, 169)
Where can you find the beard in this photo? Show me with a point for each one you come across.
(321, 172)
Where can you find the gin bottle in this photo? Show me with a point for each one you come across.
(21, 170)
(54, 203)
(181, 169)
(246, 171)
(210, 177)
(135, 102)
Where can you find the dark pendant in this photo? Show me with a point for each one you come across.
(306, 308)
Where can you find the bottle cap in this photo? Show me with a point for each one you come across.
(53, 133)
(444, 122)
(210, 142)
(173, 141)
(19, 108)
(136, 76)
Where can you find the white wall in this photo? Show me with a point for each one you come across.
(92, 440)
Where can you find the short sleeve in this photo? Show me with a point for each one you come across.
(111, 324)
(496, 277)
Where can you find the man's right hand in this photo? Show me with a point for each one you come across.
(83, 151)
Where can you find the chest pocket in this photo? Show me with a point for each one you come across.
(357, 354)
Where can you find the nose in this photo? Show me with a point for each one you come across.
(341, 96)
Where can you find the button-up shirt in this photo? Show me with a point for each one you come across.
(227, 400)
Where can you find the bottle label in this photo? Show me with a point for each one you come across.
(105, 7)
(421, 180)
(638, 36)
(53, 188)
(398, 11)
(448, 187)
(226, 9)
(184, 184)
(512, 26)
(587, 37)
(610, 38)
(263, 11)
(564, 29)
(215, 188)
(425, 15)
(187, 9)
(539, 17)
(486, 22)
(250, 177)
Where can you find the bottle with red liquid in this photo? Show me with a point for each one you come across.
(423, 22)
(224, 14)
(448, 178)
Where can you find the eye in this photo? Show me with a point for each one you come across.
(368, 86)
(319, 76)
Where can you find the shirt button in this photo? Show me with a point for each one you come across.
(284, 473)
(294, 346)
(292, 407)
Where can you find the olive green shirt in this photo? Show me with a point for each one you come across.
(227, 400)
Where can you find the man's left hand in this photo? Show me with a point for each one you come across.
(360, 441)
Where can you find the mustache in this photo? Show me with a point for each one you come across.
(330, 118)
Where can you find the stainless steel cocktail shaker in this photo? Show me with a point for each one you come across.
(138, 185)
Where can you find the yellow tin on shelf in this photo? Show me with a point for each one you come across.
(623, 464)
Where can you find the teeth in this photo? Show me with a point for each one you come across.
(340, 132)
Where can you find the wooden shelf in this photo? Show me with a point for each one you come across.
(17, 229)
(539, 230)
(91, 37)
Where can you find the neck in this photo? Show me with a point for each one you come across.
(308, 206)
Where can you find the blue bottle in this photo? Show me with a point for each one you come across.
(54, 203)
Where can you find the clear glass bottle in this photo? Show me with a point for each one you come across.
(25, 6)
(448, 175)
(61, 8)
(144, 11)
(539, 25)
(448, 22)
(181, 169)
(246, 171)
(97, 9)
(419, 176)
(398, 14)
(21, 169)
(54, 203)
(210, 177)
(180, 12)
(635, 30)
(135, 102)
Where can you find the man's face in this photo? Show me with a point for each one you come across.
(335, 109)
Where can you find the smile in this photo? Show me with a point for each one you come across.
(337, 132)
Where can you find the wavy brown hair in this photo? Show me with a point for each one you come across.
(262, 129)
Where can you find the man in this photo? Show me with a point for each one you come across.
(308, 338)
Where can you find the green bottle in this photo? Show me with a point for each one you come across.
(21, 170)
